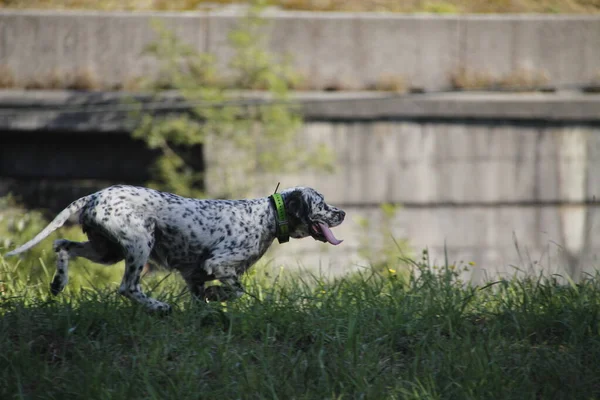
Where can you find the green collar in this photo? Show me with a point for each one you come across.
(283, 228)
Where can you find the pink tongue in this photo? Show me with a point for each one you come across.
(329, 235)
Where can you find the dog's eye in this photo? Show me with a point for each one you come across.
(321, 207)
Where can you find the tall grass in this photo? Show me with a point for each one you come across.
(420, 335)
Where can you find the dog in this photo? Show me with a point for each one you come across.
(205, 240)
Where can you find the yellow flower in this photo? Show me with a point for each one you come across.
(391, 271)
(471, 263)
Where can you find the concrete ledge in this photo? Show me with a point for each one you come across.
(102, 112)
(476, 106)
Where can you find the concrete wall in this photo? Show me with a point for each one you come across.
(351, 51)
(499, 194)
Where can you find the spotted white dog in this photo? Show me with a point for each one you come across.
(203, 239)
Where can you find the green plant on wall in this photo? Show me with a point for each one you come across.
(256, 136)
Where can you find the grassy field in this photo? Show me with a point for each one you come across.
(407, 6)
(419, 335)
(402, 332)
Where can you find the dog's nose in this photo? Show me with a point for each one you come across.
(342, 214)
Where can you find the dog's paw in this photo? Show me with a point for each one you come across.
(222, 293)
(159, 307)
(215, 293)
(57, 285)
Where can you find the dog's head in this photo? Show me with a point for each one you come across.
(309, 215)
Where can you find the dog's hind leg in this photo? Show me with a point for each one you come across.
(66, 250)
(61, 277)
(137, 250)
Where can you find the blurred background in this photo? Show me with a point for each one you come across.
(467, 128)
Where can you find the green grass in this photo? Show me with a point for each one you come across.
(423, 335)
(418, 333)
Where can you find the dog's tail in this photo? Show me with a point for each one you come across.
(59, 221)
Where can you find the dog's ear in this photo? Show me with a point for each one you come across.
(296, 206)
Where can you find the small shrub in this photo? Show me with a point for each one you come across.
(132, 84)
(594, 85)
(391, 83)
(524, 79)
(7, 78)
(53, 80)
(465, 79)
(440, 7)
(521, 79)
(84, 79)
